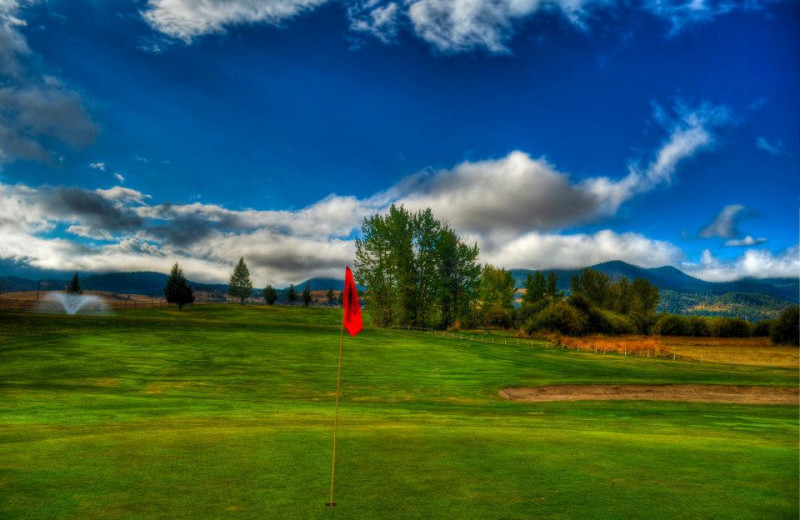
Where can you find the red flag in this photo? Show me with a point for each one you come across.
(352, 309)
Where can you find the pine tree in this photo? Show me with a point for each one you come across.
(270, 295)
(240, 284)
(307, 295)
(291, 294)
(176, 290)
(331, 296)
(74, 286)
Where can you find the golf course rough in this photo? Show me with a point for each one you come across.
(224, 411)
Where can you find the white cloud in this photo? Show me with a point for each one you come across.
(119, 177)
(746, 241)
(118, 193)
(542, 251)
(98, 166)
(724, 224)
(187, 19)
(754, 263)
(89, 232)
(370, 17)
(772, 149)
(517, 193)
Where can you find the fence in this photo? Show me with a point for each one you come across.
(42, 305)
(651, 349)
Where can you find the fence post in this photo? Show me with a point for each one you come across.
(702, 356)
(626, 351)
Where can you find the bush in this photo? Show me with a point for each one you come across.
(762, 328)
(785, 330)
(558, 317)
(729, 327)
(672, 325)
(608, 322)
(698, 327)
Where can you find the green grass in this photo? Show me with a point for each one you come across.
(226, 412)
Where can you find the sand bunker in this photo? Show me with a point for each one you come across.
(695, 393)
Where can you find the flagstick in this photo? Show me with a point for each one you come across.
(336, 420)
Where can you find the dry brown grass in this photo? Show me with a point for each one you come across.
(26, 300)
(739, 351)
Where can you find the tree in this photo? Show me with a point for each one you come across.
(535, 288)
(307, 295)
(291, 294)
(496, 296)
(340, 298)
(785, 330)
(240, 284)
(270, 294)
(552, 291)
(331, 296)
(74, 286)
(417, 270)
(176, 289)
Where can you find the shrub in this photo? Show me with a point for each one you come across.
(608, 322)
(672, 325)
(722, 327)
(699, 327)
(762, 328)
(558, 317)
(785, 330)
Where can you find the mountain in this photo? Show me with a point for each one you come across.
(144, 282)
(672, 279)
(323, 284)
(749, 298)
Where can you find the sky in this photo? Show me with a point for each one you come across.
(554, 134)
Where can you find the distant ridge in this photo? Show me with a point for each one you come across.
(673, 279)
(748, 298)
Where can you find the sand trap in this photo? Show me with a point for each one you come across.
(695, 393)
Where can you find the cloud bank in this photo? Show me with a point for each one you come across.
(517, 208)
(449, 26)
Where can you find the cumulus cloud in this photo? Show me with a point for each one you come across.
(724, 224)
(187, 19)
(746, 241)
(447, 25)
(542, 251)
(35, 109)
(509, 206)
(518, 193)
(754, 263)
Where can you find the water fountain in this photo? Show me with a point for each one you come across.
(74, 303)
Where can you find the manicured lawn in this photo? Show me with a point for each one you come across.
(227, 411)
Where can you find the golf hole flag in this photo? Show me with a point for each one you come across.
(352, 309)
(351, 320)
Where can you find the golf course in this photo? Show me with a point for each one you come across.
(226, 411)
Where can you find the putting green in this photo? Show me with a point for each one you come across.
(226, 412)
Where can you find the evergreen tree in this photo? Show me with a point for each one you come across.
(331, 296)
(240, 284)
(176, 289)
(74, 286)
(307, 295)
(291, 294)
(270, 294)
(535, 287)
(340, 298)
(552, 291)
(785, 329)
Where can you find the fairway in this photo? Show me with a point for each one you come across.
(224, 411)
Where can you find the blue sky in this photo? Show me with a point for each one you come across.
(555, 134)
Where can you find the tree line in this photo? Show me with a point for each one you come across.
(419, 272)
(178, 291)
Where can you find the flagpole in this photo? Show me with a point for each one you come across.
(336, 420)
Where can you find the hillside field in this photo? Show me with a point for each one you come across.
(224, 411)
